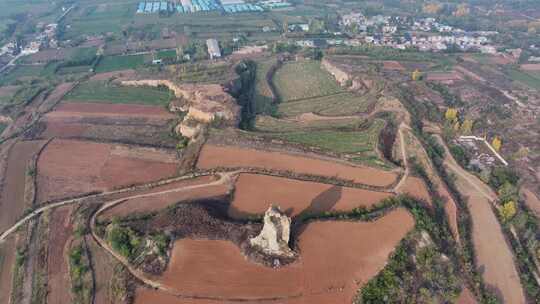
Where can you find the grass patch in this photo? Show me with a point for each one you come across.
(524, 78)
(166, 54)
(23, 94)
(104, 92)
(115, 63)
(274, 125)
(23, 72)
(200, 73)
(2, 127)
(333, 105)
(262, 96)
(301, 80)
(74, 69)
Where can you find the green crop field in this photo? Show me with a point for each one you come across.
(199, 73)
(21, 72)
(92, 19)
(302, 80)
(274, 125)
(74, 69)
(525, 78)
(263, 97)
(166, 54)
(116, 63)
(83, 54)
(100, 91)
(359, 145)
(333, 105)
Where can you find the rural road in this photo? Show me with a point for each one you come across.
(225, 178)
(78, 200)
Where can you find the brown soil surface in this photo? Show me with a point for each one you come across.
(494, 257)
(353, 252)
(64, 130)
(440, 76)
(218, 156)
(466, 297)
(502, 60)
(84, 110)
(470, 74)
(159, 202)
(124, 74)
(531, 200)
(59, 284)
(12, 203)
(451, 209)
(531, 67)
(7, 91)
(71, 167)
(393, 65)
(254, 193)
(103, 267)
(7, 260)
(416, 188)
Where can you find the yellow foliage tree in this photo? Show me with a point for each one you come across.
(466, 126)
(432, 8)
(451, 114)
(456, 126)
(496, 143)
(508, 211)
(522, 153)
(416, 75)
(462, 10)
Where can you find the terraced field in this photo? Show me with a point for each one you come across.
(358, 145)
(103, 92)
(337, 104)
(270, 124)
(302, 80)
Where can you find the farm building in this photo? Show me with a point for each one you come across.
(213, 48)
(194, 6)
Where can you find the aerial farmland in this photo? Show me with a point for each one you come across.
(268, 152)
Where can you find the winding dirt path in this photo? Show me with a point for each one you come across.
(225, 178)
(78, 200)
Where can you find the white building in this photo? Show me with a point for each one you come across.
(213, 48)
(352, 18)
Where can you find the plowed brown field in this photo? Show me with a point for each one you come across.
(393, 66)
(99, 110)
(59, 284)
(12, 199)
(466, 297)
(159, 202)
(71, 167)
(532, 201)
(336, 259)
(213, 156)
(254, 193)
(103, 267)
(12, 207)
(416, 188)
(7, 260)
